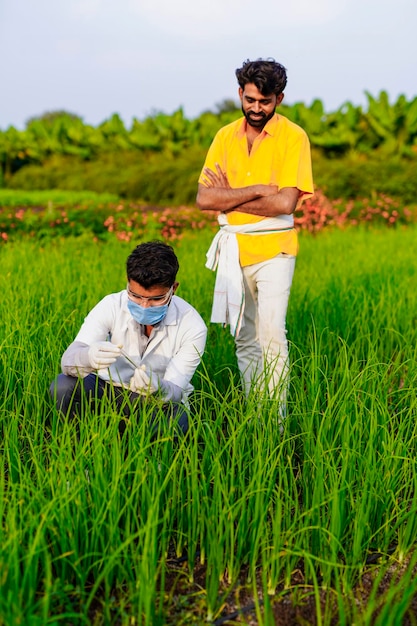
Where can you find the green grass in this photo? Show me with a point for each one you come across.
(99, 528)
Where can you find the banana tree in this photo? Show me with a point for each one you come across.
(394, 126)
(13, 149)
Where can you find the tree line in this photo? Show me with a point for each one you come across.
(58, 149)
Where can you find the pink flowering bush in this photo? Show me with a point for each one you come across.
(128, 220)
(123, 220)
(319, 212)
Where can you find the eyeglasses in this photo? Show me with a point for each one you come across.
(151, 300)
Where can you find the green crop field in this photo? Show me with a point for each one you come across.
(237, 522)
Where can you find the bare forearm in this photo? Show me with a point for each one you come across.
(226, 199)
(282, 203)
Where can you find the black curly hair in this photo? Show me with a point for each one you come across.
(151, 264)
(267, 75)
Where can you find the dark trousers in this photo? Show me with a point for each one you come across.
(71, 393)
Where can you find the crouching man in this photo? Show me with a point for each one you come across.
(140, 343)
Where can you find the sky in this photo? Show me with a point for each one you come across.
(136, 57)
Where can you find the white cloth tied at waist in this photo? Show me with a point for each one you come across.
(223, 255)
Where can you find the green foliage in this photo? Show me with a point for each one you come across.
(154, 178)
(359, 176)
(157, 160)
(334, 134)
(395, 126)
(389, 128)
(160, 179)
(167, 180)
(49, 117)
(22, 198)
(111, 173)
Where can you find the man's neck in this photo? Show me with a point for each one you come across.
(251, 134)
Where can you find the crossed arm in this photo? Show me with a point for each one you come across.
(215, 193)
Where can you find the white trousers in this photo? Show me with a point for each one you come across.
(262, 346)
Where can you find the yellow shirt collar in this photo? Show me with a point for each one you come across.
(269, 128)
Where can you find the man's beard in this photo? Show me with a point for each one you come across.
(260, 120)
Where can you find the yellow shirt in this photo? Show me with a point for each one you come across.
(280, 156)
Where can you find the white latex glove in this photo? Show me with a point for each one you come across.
(142, 382)
(102, 354)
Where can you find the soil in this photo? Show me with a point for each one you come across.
(293, 606)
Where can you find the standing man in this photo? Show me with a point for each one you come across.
(137, 344)
(257, 172)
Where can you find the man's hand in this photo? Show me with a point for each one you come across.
(219, 179)
(102, 354)
(143, 383)
(215, 179)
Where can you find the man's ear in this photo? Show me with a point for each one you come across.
(175, 287)
(240, 91)
(280, 98)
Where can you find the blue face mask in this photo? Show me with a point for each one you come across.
(150, 315)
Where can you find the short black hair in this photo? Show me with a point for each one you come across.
(151, 264)
(267, 75)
